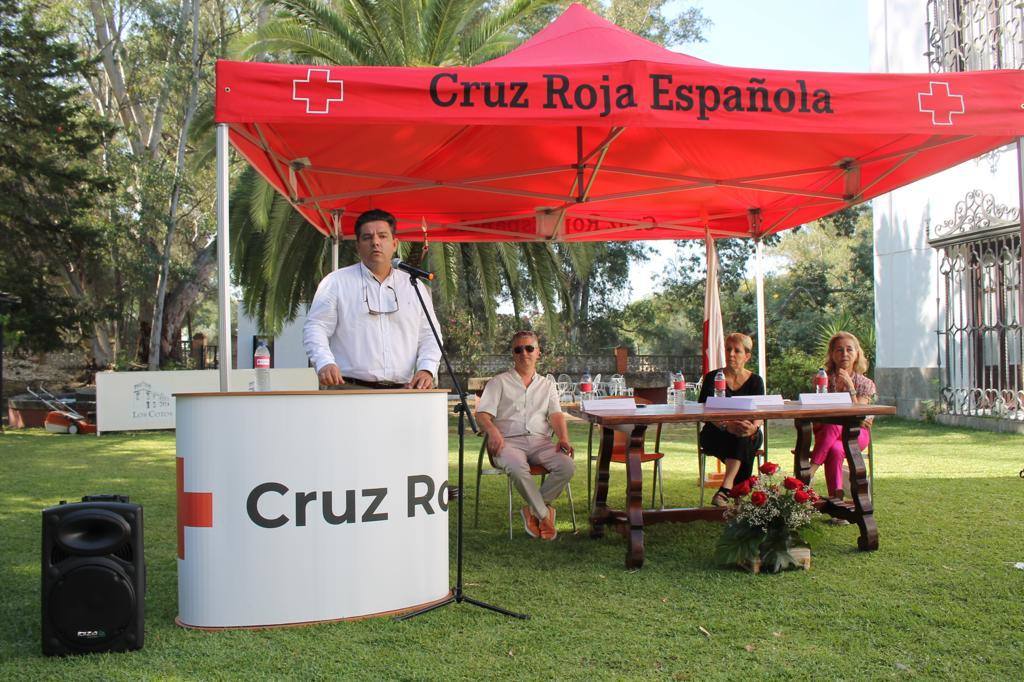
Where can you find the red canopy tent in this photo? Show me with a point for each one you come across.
(588, 132)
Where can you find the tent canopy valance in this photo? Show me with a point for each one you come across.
(588, 132)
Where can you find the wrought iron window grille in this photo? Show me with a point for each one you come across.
(980, 338)
(975, 35)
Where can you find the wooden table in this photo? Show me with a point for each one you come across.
(631, 521)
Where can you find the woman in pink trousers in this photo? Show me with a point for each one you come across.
(845, 365)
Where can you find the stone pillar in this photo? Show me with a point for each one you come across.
(621, 359)
(198, 351)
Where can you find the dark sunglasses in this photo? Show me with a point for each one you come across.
(528, 348)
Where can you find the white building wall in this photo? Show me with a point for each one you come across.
(907, 309)
(288, 351)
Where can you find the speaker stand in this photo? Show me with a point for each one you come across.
(458, 596)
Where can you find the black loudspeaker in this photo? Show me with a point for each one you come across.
(94, 576)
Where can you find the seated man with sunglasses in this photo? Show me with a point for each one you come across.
(366, 326)
(517, 411)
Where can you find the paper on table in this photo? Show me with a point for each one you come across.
(825, 399)
(745, 402)
(736, 402)
(609, 404)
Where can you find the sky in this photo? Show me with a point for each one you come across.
(802, 35)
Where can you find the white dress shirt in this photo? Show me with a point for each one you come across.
(390, 346)
(520, 410)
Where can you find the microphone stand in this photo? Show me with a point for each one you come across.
(457, 596)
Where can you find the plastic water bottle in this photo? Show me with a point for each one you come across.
(586, 385)
(821, 381)
(720, 384)
(261, 363)
(679, 384)
(670, 392)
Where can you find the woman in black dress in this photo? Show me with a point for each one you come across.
(734, 441)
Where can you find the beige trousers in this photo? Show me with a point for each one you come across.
(516, 457)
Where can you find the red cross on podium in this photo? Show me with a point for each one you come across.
(317, 91)
(940, 103)
(194, 509)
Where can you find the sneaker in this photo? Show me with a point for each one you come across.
(530, 522)
(547, 526)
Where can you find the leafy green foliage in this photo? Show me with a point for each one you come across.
(775, 554)
(792, 373)
(823, 282)
(50, 181)
(659, 21)
(738, 542)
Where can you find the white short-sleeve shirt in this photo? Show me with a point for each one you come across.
(520, 410)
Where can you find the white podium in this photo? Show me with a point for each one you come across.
(310, 506)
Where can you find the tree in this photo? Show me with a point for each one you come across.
(557, 280)
(824, 284)
(154, 63)
(828, 281)
(277, 265)
(52, 252)
(646, 18)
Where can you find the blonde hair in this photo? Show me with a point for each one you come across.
(860, 365)
(742, 339)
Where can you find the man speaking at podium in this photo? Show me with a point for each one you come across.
(366, 326)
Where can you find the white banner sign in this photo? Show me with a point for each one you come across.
(135, 401)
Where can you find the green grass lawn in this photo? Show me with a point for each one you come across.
(939, 599)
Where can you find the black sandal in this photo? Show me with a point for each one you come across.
(720, 498)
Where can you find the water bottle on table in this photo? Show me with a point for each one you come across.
(821, 381)
(586, 386)
(261, 363)
(679, 387)
(720, 384)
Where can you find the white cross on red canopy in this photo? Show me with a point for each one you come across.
(940, 103)
(318, 90)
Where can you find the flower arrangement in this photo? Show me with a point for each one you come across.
(766, 520)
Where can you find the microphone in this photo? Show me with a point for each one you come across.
(411, 269)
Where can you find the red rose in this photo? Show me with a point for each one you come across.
(769, 468)
(813, 495)
(801, 496)
(751, 481)
(741, 489)
(758, 498)
(793, 483)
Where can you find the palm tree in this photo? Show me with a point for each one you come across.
(278, 260)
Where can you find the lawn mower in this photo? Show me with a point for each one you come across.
(61, 418)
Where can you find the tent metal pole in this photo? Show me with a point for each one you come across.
(224, 352)
(762, 360)
(1020, 224)
(335, 236)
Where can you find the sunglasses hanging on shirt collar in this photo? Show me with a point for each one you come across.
(390, 303)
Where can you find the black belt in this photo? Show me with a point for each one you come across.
(374, 384)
